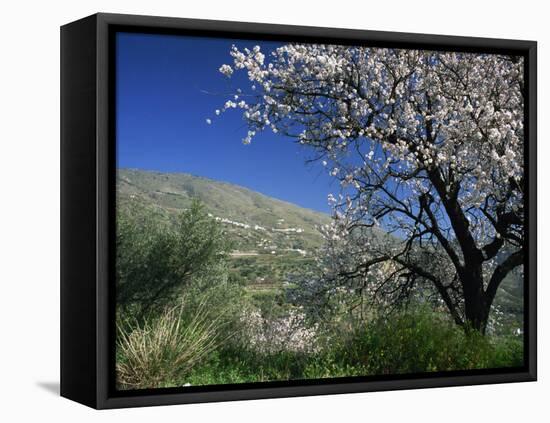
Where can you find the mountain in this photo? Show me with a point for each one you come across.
(249, 214)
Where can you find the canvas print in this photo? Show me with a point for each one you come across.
(291, 211)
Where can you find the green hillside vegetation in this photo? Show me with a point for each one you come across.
(280, 238)
(260, 259)
(203, 276)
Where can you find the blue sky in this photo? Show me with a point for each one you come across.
(167, 86)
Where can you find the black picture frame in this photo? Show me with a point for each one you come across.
(87, 210)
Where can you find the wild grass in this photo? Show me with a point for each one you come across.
(416, 341)
(420, 340)
(182, 347)
(164, 349)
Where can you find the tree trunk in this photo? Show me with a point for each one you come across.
(476, 306)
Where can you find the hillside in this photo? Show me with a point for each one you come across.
(238, 208)
(270, 237)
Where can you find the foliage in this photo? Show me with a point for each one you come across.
(162, 349)
(419, 341)
(215, 329)
(156, 261)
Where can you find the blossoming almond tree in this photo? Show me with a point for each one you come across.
(426, 145)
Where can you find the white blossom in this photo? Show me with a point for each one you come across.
(226, 70)
(403, 131)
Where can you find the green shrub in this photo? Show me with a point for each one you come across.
(156, 261)
(423, 341)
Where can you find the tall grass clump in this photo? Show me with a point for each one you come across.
(163, 349)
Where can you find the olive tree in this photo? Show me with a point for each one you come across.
(157, 260)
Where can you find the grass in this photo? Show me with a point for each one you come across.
(163, 349)
(423, 341)
(412, 342)
(236, 365)
(175, 350)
